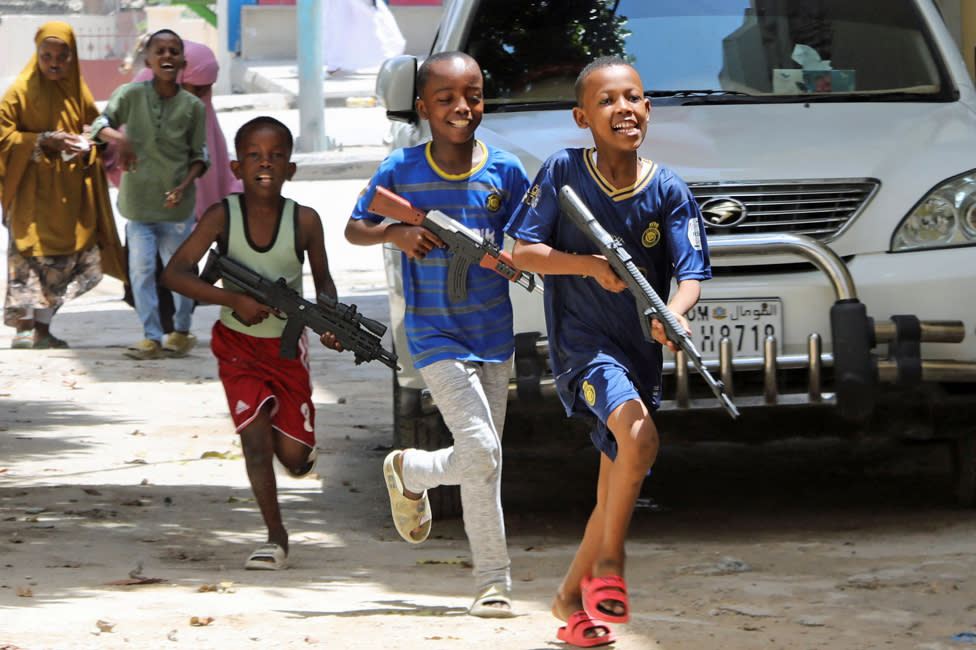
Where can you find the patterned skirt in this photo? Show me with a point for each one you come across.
(47, 281)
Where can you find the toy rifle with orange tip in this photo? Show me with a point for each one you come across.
(466, 245)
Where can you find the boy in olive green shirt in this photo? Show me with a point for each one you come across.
(161, 152)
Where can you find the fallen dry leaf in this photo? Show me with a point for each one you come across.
(199, 621)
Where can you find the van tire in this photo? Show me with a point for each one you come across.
(412, 428)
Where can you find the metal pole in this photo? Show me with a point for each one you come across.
(311, 105)
(224, 83)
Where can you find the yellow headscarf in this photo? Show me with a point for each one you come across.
(54, 207)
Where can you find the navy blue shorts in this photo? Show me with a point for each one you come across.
(604, 387)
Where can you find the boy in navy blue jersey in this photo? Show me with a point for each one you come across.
(463, 350)
(602, 364)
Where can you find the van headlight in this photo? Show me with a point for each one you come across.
(945, 217)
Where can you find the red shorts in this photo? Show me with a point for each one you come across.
(253, 373)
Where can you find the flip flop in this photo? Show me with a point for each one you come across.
(574, 632)
(23, 340)
(408, 514)
(492, 594)
(267, 557)
(50, 342)
(597, 590)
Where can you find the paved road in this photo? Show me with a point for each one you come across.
(110, 468)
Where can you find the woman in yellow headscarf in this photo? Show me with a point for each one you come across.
(53, 191)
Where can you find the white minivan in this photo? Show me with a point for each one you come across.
(831, 145)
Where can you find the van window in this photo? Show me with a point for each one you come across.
(727, 50)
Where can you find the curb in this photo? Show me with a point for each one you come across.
(267, 93)
(342, 164)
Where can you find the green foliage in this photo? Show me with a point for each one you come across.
(542, 41)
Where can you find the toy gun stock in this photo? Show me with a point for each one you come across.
(466, 245)
(649, 304)
(353, 330)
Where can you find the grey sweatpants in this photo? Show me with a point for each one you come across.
(472, 398)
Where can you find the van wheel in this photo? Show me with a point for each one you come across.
(413, 428)
(964, 470)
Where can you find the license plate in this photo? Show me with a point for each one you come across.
(746, 323)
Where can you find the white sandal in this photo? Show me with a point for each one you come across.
(267, 557)
(408, 514)
(492, 594)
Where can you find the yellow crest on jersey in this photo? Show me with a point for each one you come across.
(589, 393)
(652, 235)
(493, 202)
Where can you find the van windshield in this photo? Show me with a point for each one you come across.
(710, 51)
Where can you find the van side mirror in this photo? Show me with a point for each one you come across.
(396, 88)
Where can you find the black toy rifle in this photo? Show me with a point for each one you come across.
(353, 330)
(649, 304)
(466, 246)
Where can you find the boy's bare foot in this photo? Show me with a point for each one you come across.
(563, 608)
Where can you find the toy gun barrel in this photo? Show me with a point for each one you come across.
(649, 302)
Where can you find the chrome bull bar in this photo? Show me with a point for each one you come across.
(856, 370)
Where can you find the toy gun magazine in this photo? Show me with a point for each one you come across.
(466, 246)
(354, 331)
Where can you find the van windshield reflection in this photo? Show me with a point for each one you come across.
(728, 51)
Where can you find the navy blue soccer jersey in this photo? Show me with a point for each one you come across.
(480, 327)
(660, 225)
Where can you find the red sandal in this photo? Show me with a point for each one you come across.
(604, 588)
(574, 632)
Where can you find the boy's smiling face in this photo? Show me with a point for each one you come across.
(613, 108)
(165, 57)
(263, 161)
(452, 100)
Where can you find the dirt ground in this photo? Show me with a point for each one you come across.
(126, 516)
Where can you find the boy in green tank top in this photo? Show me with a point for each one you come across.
(270, 398)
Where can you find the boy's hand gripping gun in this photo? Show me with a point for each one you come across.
(466, 245)
(649, 304)
(353, 330)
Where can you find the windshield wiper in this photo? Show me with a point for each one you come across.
(807, 98)
(528, 105)
(693, 93)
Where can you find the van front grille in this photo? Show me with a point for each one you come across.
(819, 209)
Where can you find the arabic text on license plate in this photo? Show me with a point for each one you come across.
(746, 323)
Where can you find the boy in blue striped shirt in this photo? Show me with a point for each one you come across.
(463, 350)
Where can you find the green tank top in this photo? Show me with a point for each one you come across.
(283, 258)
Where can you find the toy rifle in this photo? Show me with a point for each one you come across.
(649, 304)
(353, 330)
(466, 245)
